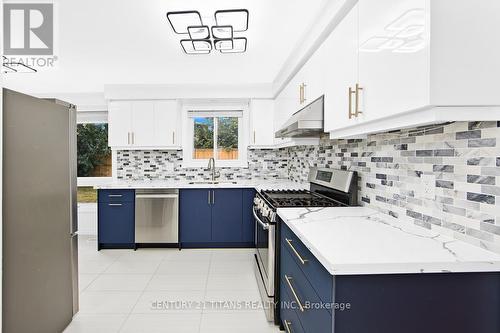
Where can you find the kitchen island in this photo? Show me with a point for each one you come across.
(357, 270)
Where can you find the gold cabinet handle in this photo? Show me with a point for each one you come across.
(173, 137)
(254, 137)
(350, 113)
(302, 93)
(287, 326)
(288, 279)
(302, 260)
(358, 89)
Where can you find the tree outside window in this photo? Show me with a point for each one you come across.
(215, 137)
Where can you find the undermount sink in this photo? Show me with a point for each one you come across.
(213, 182)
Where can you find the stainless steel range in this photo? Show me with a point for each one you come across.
(328, 188)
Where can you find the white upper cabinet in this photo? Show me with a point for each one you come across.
(144, 124)
(402, 63)
(394, 44)
(341, 73)
(261, 123)
(119, 124)
(312, 79)
(143, 113)
(167, 124)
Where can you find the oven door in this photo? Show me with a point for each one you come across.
(265, 248)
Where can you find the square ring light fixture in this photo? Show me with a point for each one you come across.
(202, 39)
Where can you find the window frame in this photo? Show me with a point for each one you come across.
(188, 130)
(95, 117)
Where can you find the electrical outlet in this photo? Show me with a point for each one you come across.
(428, 187)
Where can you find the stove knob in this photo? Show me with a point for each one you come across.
(265, 211)
(272, 216)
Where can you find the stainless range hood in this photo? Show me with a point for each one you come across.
(305, 123)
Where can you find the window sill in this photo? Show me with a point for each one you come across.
(93, 181)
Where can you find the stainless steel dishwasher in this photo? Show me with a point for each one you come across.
(156, 217)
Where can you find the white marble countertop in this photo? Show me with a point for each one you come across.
(259, 184)
(359, 240)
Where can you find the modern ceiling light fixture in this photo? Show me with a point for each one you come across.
(238, 18)
(9, 66)
(190, 46)
(222, 32)
(223, 44)
(199, 32)
(239, 46)
(202, 39)
(181, 21)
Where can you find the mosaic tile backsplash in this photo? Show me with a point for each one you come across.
(459, 162)
(167, 165)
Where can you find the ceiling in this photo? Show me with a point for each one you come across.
(131, 42)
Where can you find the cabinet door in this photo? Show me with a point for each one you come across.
(262, 128)
(313, 76)
(227, 217)
(143, 121)
(341, 71)
(195, 216)
(120, 124)
(286, 104)
(166, 124)
(248, 219)
(116, 222)
(393, 56)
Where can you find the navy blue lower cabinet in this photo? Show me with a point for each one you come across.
(248, 219)
(382, 303)
(195, 216)
(227, 206)
(116, 219)
(215, 218)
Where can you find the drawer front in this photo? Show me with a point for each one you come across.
(295, 283)
(289, 317)
(116, 196)
(116, 222)
(318, 276)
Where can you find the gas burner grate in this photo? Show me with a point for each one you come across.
(298, 198)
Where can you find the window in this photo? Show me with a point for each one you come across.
(215, 134)
(215, 137)
(94, 157)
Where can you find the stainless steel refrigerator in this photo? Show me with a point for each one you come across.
(40, 243)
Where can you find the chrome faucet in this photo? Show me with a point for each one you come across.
(211, 166)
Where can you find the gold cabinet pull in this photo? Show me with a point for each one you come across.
(301, 92)
(254, 137)
(288, 279)
(358, 89)
(304, 92)
(287, 326)
(350, 113)
(173, 137)
(302, 260)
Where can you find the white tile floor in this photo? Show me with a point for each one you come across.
(118, 289)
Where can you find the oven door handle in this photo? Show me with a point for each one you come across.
(265, 226)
